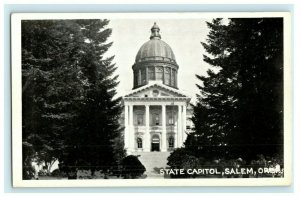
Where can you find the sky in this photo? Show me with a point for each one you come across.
(184, 36)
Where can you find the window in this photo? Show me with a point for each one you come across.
(136, 76)
(167, 76)
(159, 73)
(175, 78)
(143, 76)
(139, 78)
(172, 78)
(140, 119)
(171, 119)
(171, 142)
(139, 142)
(155, 119)
(151, 73)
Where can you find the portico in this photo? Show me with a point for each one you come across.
(154, 123)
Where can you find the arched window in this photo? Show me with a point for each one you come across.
(136, 77)
(172, 77)
(139, 142)
(151, 73)
(171, 142)
(143, 77)
(139, 77)
(167, 76)
(159, 73)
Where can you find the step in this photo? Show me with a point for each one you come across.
(153, 162)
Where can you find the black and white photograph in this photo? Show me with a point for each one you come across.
(151, 99)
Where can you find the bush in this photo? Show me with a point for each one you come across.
(42, 172)
(184, 159)
(132, 167)
(28, 172)
(56, 173)
(28, 169)
(84, 174)
(269, 162)
(180, 158)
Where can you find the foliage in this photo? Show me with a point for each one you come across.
(239, 113)
(274, 162)
(178, 157)
(58, 173)
(181, 158)
(119, 152)
(69, 108)
(51, 83)
(132, 167)
(28, 169)
(98, 114)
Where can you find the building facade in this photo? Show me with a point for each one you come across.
(157, 114)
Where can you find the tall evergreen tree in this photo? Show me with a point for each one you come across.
(239, 112)
(92, 147)
(68, 92)
(51, 82)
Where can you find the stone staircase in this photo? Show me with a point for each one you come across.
(153, 162)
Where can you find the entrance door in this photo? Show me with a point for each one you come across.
(155, 143)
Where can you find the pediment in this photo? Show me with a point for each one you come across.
(155, 91)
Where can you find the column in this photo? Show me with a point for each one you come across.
(184, 135)
(131, 132)
(147, 132)
(179, 127)
(126, 131)
(164, 130)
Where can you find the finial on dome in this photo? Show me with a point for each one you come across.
(155, 32)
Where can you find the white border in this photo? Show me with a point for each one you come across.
(17, 105)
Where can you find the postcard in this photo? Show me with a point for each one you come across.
(151, 99)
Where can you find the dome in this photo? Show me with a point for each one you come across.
(155, 61)
(155, 49)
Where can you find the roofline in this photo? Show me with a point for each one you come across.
(151, 84)
(137, 64)
(156, 98)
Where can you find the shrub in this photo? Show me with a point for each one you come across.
(178, 158)
(269, 162)
(42, 172)
(132, 167)
(28, 172)
(56, 173)
(84, 174)
(182, 159)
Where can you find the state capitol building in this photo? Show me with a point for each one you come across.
(156, 113)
